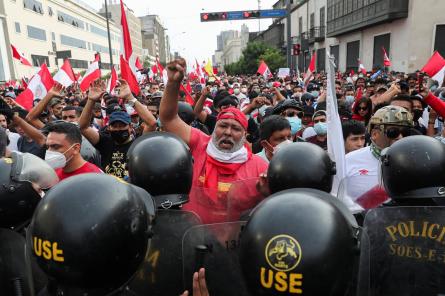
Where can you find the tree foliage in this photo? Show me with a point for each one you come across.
(251, 57)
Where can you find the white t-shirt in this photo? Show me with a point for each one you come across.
(13, 138)
(361, 162)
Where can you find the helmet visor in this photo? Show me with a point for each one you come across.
(31, 168)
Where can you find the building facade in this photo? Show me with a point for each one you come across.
(230, 46)
(134, 24)
(352, 30)
(40, 29)
(154, 38)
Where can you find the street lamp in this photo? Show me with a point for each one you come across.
(109, 37)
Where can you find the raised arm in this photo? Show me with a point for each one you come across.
(34, 114)
(94, 95)
(168, 112)
(33, 133)
(199, 105)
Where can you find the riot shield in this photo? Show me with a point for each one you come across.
(361, 192)
(14, 276)
(226, 204)
(402, 252)
(161, 274)
(214, 247)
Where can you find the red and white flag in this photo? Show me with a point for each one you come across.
(113, 81)
(38, 87)
(162, 71)
(263, 69)
(20, 57)
(93, 73)
(129, 76)
(361, 68)
(128, 48)
(24, 83)
(311, 69)
(386, 61)
(435, 67)
(199, 73)
(138, 64)
(65, 76)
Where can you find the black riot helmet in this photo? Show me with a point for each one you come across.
(299, 241)
(90, 234)
(162, 164)
(414, 168)
(185, 112)
(22, 179)
(301, 165)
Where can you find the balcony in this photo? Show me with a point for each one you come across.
(316, 34)
(345, 16)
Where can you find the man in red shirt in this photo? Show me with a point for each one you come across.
(63, 151)
(220, 160)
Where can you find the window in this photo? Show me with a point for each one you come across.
(380, 42)
(300, 25)
(335, 51)
(79, 64)
(312, 20)
(36, 33)
(66, 18)
(17, 28)
(99, 31)
(321, 57)
(53, 36)
(438, 43)
(74, 42)
(50, 11)
(99, 48)
(322, 16)
(33, 5)
(38, 60)
(352, 55)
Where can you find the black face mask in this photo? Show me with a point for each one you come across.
(99, 116)
(120, 136)
(417, 114)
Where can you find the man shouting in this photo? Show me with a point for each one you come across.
(219, 159)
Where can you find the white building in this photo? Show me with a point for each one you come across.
(232, 44)
(41, 28)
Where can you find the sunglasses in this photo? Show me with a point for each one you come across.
(293, 114)
(363, 108)
(394, 132)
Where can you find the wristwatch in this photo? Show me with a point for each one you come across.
(132, 102)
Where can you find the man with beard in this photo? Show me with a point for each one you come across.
(220, 159)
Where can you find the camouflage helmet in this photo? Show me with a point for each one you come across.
(391, 115)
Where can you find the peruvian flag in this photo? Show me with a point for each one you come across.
(311, 69)
(38, 87)
(113, 81)
(187, 90)
(24, 84)
(263, 69)
(154, 69)
(128, 48)
(435, 67)
(20, 57)
(386, 61)
(138, 64)
(65, 76)
(93, 73)
(162, 71)
(200, 74)
(361, 68)
(128, 75)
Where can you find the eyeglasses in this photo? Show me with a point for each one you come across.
(362, 108)
(293, 114)
(319, 120)
(394, 132)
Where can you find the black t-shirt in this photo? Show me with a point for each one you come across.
(32, 147)
(113, 156)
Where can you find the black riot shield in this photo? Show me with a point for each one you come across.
(15, 278)
(161, 272)
(402, 252)
(214, 247)
(225, 204)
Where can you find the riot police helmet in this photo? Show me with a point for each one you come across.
(162, 164)
(413, 168)
(299, 241)
(301, 165)
(90, 234)
(23, 177)
(185, 112)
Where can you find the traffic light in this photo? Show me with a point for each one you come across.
(249, 14)
(213, 16)
(297, 49)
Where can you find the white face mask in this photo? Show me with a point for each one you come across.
(54, 159)
(236, 91)
(57, 160)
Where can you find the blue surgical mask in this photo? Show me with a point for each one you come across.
(315, 93)
(295, 124)
(158, 122)
(350, 100)
(321, 128)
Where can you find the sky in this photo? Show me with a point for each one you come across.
(191, 38)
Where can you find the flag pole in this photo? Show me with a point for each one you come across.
(108, 32)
